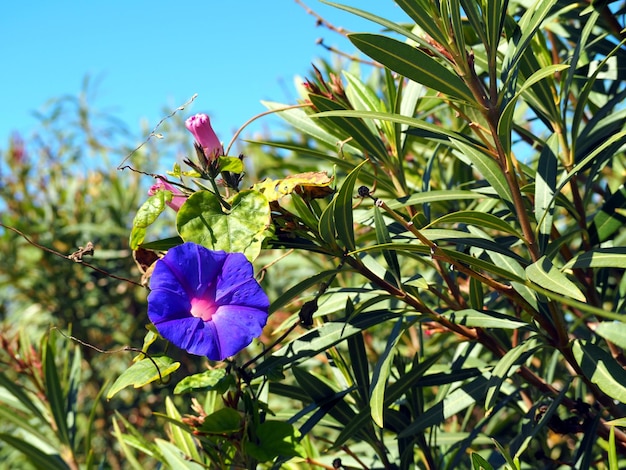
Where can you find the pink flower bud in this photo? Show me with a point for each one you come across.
(178, 197)
(200, 126)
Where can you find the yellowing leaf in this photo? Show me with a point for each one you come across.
(273, 190)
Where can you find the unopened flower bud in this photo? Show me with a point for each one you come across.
(200, 126)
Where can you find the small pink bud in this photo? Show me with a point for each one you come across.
(178, 197)
(200, 126)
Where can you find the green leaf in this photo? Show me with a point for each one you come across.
(599, 258)
(146, 215)
(180, 435)
(275, 438)
(545, 188)
(163, 245)
(483, 220)
(608, 220)
(54, 393)
(422, 12)
(243, 229)
(613, 460)
(507, 366)
(613, 331)
(505, 123)
(382, 236)
(38, 458)
(413, 64)
(527, 27)
(453, 403)
(20, 395)
(353, 129)
(484, 319)
(225, 420)
(488, 167)
(362, 97)
(601, 369)
(122, 440)
(320, 339)
(359, 364)
(305, 124)
(545, 274)
(393, 393)
(381, 374)
(143, 372)
(342, 209)
(479, 463)
(326, 227)
(231, 164)
(434, 132)
(174, 457)
(213, 379)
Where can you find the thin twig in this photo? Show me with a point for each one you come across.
(153, 134)
(110, 351)
(73, 257)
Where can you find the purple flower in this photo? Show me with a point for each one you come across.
(206, 302)
(200, 126)
(178, 197)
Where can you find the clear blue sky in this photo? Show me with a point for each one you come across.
(154, 54)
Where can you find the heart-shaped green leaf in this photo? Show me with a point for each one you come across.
(242, 229)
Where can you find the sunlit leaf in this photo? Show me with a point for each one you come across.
(613, 331)
(601, 369)
(483, 319)
(146, 215)
(273, 190)
(545, 274)
(242, 229)
(412, 63)
(381, 374)
(143, 372)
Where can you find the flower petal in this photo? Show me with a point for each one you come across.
(195, 267)
(163, 306)
(237, 326)
(193, 335)
(237, 286)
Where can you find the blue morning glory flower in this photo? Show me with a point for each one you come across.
(206, 302)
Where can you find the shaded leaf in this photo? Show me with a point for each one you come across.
(275, 438)
(453, 403)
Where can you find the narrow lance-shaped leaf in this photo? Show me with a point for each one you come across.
(342, 210)
(381, 374)
(488, 167)
(455, 402)
(55, 395)
(545, 187)
(354, 130)
(600, 367)
(545, 274)
(412, 63)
